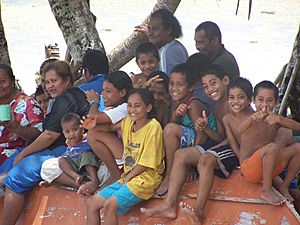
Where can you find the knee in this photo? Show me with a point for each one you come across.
(207, 160)
(270, 149)
(110, 205)
(170, 129)
(181, 156)
(94, 203)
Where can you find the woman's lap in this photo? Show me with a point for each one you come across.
(26, 173)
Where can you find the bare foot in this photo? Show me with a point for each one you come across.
(87, 189)
(163, 187)
(163, 211)
(285, 192)
(194, 216)
(44, 183)
(78, 179)
(272, 197)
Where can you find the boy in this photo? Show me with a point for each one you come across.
(262, 158)
(41, 97)
(214, 83)
(79, 160)
(147, 59)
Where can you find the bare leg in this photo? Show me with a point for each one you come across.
(206, 166)
(90, 186)
(108, 147)
(290, 158)
(64, 179)
(269, 155)
(2, 177)
(171, 134)
(94, 204)
(110, 211)
(13, 202)
(67, 168)
(182, 158)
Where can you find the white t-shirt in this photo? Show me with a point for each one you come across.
(118, 113)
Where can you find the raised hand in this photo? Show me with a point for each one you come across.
(152, 80)
(181, 109)
(202, 122)
(273, 118)
(92, 95)
(88, 122)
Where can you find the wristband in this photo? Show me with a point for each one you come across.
(94, 101)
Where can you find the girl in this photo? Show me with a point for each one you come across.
(143, 152)
(107, 145)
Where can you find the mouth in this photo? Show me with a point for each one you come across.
(213, 94)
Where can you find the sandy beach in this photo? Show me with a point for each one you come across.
(261, 45)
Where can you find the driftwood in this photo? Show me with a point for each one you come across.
(4, 56)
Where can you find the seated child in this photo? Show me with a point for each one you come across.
(147, 59)
(143, 167)
(41, 98)
(79, 160)
(158, 84)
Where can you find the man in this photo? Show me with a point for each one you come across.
(208, 39)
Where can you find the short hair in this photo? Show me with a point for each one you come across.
(146, 48)
(39, 91)
(214, 69)
(169, 21)
(243, 84)
(198, 61)
(70, 117)
(266, 85)
(211, 30)
(188, 71)
(120, 80)
(163, 76)
(9, 72)
(147, 98)
(45, 63)
(96, 62)
(62, 69)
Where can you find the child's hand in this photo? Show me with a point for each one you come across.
(92, 95)
(88, 122)
(273, 118)
(152, 80)
(143, 28)
(181, 109)
(259, 116)
(202, 122)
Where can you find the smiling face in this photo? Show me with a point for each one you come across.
(54, 84)
(214, 87)
(111, 95)
(6, 87)
(73, 133)
(137, 109)
(157, 33)
(178, 87)
(147, 63)
(238, 100)
(264, 100)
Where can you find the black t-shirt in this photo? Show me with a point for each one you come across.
(73, 100)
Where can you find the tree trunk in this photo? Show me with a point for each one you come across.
(4, 56)
(125, 51)
(76, 23)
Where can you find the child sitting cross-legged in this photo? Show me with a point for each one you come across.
(79, 160)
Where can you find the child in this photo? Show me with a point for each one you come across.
(180, 132)
(214, 82)
(41, 98)
(147, 59)
(261, 151)
(158, 84)
(143, 151)
(78, 160)
(108, 145)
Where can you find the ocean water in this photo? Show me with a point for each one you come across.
(261, 45)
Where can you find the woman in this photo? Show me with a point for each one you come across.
(162, 30)
(27, 116)
(51, 142)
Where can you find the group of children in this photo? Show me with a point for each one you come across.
(163, 118)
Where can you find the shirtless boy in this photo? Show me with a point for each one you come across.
(214, 83)
(261, 158)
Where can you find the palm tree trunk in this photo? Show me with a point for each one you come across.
(76, 23)
(125, 51)
(4, 56)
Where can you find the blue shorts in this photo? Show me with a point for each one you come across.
(26, 173)
(293, 184)
(126, 200)
(188, 137)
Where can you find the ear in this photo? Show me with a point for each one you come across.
(123, 93)
(149, 108)
(225, 80)
(215, 41)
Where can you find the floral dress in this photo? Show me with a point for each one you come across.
(27, 113)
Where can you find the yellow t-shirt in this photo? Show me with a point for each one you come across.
(143, 147)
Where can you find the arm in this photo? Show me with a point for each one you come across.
(230, 137)
(178, 112)
(244, 125)
(46, 139)
(137, 170)
(282, 121)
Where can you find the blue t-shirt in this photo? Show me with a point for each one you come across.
(94, 84)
